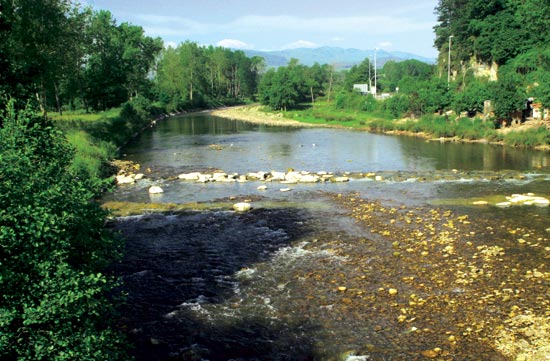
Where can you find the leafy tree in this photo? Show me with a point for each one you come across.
(508, 93)
(393, 72)
(118, 61)
(286, 87)
(472, 98)
(53, 247)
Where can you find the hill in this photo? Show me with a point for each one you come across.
(341, 58)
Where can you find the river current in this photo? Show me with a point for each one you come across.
(275, 283)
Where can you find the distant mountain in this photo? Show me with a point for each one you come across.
(341, 58)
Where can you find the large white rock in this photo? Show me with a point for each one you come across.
(277, 176)
(189, 176)
(125, 179)
(204, 178)
(308, 178)
(155, 190)
(339, 179)
(242, 207)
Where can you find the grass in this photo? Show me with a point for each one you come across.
(324, 113)
(84, 132)
(83, 116)
(465, 128)
(532, 137)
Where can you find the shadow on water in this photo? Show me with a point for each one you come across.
(175, 263)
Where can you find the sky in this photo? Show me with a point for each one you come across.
(392, 25)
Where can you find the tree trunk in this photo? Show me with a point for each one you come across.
(330, 85)
(57, 100)
(312, 98)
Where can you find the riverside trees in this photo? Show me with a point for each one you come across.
(67, 56)
(190, 76)
(53, 250)
(512, 35)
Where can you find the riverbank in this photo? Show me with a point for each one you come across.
(254, 114)
(532, 134)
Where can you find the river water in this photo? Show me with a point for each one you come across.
(274, 283)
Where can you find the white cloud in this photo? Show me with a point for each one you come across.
(337, 39)
(372, 25)
(385, 45)
(170, 44)
(234, 44)
(300, 44)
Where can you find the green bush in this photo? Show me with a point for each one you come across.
(53, 248)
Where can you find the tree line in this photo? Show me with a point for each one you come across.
(67, 57)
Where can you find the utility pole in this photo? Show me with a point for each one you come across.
(449, 63)
(375, 49)
(370, 76)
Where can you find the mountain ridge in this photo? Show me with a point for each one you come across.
(341, 58)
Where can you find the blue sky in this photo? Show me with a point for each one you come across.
(393, 25)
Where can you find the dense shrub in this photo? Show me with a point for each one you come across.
(53, 248)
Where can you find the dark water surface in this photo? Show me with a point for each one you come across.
(263, 285)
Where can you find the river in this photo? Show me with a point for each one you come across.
(398, 263)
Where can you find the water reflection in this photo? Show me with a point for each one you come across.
(182, 143)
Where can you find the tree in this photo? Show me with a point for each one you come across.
(508, 93)
(53, 248)
(118, 61)
(472, 98)
(393, 72)
(287, 86)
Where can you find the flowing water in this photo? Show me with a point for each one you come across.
(274, 283)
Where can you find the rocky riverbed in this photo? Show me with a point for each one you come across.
(344, 277)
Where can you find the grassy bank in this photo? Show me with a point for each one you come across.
(430, 126)
(98, 136)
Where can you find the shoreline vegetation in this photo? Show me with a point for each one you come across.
(531, 134)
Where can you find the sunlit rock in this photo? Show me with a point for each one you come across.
(189, 176)
(204, 178)
(292, 176)
(339, 179)
(125, 179)
(242, 207)
(308, 178)
(503, 204)
(155, 190)
(277, 176)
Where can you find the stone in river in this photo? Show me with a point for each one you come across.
(155, 190)
(242, 207)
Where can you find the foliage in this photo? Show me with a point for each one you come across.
(472, 98)
(288, 86)
(397, 105)
(53, 248)
(508, 97)
(490, 31)
(67, 56)
(191, 76)
(394, 72)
